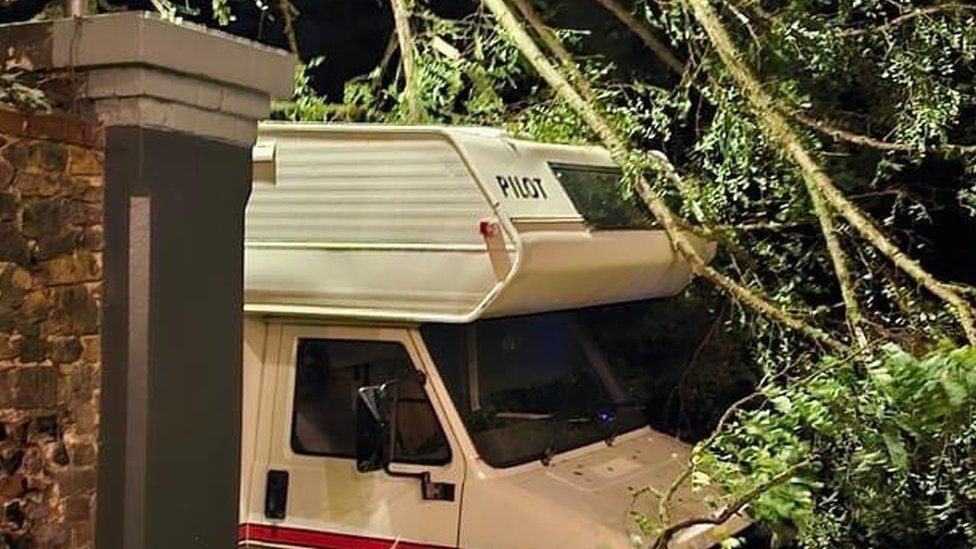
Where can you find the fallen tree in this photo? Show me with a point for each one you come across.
(826, 199)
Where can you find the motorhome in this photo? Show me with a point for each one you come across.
(447, 344)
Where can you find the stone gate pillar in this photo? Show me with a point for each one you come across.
(179, 105)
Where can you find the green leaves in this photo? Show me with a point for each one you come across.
(890, 438)
(19, 91)
(221, 12)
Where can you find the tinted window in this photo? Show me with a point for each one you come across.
(599, 197)
(530, 386)
(328, 375)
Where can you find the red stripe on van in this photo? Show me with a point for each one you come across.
(299, 537)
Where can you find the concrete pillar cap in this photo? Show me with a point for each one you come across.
(138, 69)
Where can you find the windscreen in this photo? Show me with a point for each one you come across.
(598, 196)
(529, 387)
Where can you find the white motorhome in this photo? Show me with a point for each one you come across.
(444, 344)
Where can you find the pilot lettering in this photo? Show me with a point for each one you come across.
(521, 187)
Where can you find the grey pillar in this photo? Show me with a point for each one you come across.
(180, 106)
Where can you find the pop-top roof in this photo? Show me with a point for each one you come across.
(442, 224)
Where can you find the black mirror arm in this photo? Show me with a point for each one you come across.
(385, 417)
(429, 490)
(390, 446)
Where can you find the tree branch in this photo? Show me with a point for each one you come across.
(391, 47)
(664, 503)
(288, 13)
(823, 212)
(665, 498)
(834, 250)
(819, 183)
(642, 31)
(772, 226)
(963, 289)
(556, 47)
(685, 188)
(669, 531)
(408, 59)
(902, 19)
(619, 151)
(868, 141)
(825, 216)
(814, 178)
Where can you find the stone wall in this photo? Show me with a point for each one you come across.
(51, 197)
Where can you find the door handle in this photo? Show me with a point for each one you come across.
(436, 491)
(276, 494)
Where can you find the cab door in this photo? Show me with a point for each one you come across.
(314, 495)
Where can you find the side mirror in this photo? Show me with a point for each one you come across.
(374, 444)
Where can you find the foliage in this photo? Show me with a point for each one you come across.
(221, 12)
(19, 92)
(894, 442)
(306, 105)
(968, 199)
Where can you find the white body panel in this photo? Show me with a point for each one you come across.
(383, 222)
(581, 500)
(329, 494)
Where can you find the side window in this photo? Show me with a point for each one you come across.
(328, 374)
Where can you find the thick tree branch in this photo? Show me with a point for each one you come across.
(618, 149)
(825, 216)
(662, 51)
(686, 189)
(823, 212)
(288, 13)
(836, 253)
(963, 289)
(408, 59)
(773, 122)
(556, 47)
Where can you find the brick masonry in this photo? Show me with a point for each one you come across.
(51, 209)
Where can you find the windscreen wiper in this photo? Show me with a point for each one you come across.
(607, 416)
(522, 415)
(560, 428)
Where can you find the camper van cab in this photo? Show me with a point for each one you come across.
(450, 337)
